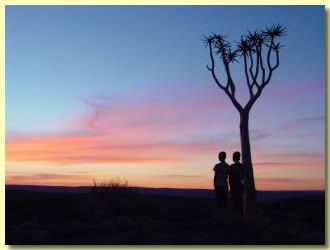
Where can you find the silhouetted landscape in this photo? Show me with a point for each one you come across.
(64, 215)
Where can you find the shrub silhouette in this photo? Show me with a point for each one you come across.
(115, 185)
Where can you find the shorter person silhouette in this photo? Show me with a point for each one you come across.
(221, 180)
(236, 178)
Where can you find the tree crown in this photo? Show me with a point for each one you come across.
(250, 49)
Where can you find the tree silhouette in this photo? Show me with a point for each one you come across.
(258, 50)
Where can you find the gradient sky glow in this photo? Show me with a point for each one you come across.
(96, 92)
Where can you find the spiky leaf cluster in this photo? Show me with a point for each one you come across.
(253, 41)
(274, 31)
(222, 47)
(249, 43)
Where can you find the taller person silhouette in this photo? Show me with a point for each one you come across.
(236, 178)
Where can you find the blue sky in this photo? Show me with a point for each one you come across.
(88, 50)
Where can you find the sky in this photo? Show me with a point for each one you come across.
(106, 92)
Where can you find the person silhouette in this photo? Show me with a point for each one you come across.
(221, 180)
(236, 179)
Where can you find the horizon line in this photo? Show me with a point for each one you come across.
(260, 190)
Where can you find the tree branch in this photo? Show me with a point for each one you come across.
(251, 66)
(262, 64)
(253, 76)
(230, 82)
(270, 70)
(225, 89)
(257, 66)
(247, 76)
(234, 101)
(264, 83)
(277, 60)
(212, 68)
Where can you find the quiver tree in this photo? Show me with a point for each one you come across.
(259, 52)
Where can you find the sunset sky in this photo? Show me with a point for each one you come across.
(100, 92)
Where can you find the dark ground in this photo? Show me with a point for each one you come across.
(128, 217)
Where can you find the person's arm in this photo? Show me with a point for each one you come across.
(227, 176)
(214, 169)
(214, 180)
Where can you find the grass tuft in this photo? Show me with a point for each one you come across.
(114, 185)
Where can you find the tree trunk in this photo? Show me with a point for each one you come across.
(249, 201)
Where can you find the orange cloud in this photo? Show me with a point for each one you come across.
(85, 149)
(49, 179)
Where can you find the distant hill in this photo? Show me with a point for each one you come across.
(203, 193)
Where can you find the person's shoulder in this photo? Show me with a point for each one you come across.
(224, 164)
(216, 166)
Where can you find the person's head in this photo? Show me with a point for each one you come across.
(236, 156)
(222, 156)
